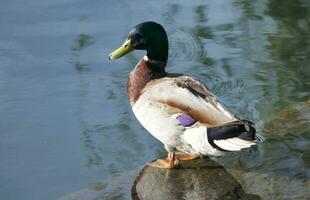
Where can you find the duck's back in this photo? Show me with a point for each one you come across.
(183, 94)
(165, 102)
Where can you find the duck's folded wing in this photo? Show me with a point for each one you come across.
(190, 97)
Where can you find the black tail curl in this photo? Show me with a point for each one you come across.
(243, 129)
(249, 133)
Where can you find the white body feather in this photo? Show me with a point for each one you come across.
(159, 118)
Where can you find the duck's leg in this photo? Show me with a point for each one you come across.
(171, 159)
(184, 157)
(168, 163)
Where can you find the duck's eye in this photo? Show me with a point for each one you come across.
(137, 41)
(137, 37)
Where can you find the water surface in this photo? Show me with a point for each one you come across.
(65, 120)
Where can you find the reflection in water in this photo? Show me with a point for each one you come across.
(82, 42)
(201, 30)
(186, 46)
(93, 153)
(289, 47)
(170, 11)
(81, 67)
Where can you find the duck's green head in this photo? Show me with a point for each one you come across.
(149, 36)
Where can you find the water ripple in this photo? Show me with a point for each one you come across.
(185, 47)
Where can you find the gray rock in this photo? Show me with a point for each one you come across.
(196, 179)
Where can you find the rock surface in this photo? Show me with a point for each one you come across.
(196, 179)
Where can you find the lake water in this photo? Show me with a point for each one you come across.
(65, 120)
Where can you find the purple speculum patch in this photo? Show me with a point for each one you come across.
(186, 120)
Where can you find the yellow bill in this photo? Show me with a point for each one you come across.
(123, 50)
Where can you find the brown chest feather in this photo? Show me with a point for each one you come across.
(140, 76)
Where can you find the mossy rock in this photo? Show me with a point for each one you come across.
(291, 120)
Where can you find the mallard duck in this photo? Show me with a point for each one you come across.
(177, 109)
